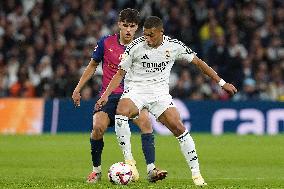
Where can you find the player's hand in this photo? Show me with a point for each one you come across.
(101, 102)
(76, 96)
(229, 88)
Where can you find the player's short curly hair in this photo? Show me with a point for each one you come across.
(153, 22)
(129, 15)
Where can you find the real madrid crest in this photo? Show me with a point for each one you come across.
(167, 54)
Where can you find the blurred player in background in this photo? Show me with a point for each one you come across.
(146, 65)
(109, 50)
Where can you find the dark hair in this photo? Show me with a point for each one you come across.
(129, 15)
(153, 22)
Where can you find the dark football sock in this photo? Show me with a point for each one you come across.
(96, 151)
(148, 147)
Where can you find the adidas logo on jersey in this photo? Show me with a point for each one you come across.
(145, 57)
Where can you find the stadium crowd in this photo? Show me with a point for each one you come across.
(45, 45)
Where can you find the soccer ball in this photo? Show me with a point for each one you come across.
(120, 173)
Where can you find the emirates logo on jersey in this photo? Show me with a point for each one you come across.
(154, 66)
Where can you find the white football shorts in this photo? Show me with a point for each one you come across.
(156, 104)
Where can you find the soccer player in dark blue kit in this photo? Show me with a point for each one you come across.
(109, 51)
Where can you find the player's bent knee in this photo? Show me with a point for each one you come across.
(145, 129)
(145, 126)
(122, 111)
(98, 131)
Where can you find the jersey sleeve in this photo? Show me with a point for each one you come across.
(98, 52)
(185, 52)
(126, 59)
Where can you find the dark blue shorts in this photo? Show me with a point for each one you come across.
(110, 108)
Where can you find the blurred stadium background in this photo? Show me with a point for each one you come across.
(45, 46)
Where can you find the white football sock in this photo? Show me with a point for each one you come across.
(150, 167)
(188, 149)
(123, 135)
(97, 169)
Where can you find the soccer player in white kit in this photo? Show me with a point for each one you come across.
(146, 66)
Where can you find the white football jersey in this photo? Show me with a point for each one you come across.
(148, 68)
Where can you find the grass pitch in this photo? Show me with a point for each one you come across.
(64, 161)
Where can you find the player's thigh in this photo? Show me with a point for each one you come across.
(171, 119)
(143, 121)
(101, 122)
(127, 108)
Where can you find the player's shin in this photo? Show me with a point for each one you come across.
(96, 152)
(123, 135)
(188, 149)
(148, 147)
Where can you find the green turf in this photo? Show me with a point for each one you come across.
(63, 161)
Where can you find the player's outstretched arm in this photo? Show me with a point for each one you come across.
(87, 74)
(228, 87)
(114, 83)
